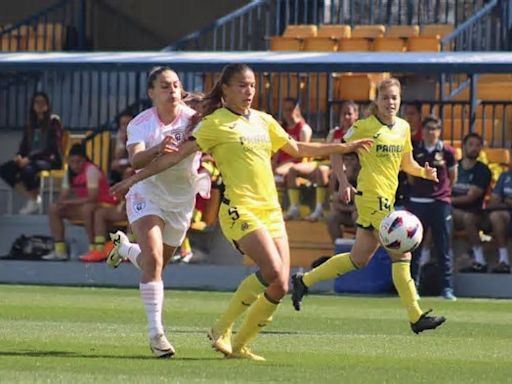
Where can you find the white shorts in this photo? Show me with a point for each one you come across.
(177, 222)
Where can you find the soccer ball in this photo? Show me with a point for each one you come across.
(400, 232)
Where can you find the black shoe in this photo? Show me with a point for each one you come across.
(427, 322)
(501, 268)
(474, 268)
(298, 290)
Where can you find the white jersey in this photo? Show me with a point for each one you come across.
(176, 187)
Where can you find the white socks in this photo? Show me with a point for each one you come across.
(479, 255)
(130, 251)
(504, 256)
(152, 295)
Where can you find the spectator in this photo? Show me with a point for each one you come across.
(299, 130)
(431, 201)
(473, 180)
(84, 187)
(40, 149)
(343, 213)
(120, 166)
(500, 207)
(412, 114)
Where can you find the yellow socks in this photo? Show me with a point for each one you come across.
(293, 196)
(258, 316)
(246, 294)
(185, 246)
(404, 284)
(60, 247)
(99, 243)
(320, 195)
(334, 267)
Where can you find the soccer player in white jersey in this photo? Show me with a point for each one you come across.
(160, 208)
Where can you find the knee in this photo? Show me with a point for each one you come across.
(495, 218)
(152, 261)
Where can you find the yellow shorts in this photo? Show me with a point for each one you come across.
(371, 210)
(238, 221)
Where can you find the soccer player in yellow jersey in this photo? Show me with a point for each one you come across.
(376, 186)
(242, 140)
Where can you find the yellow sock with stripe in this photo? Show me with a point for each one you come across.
(60, 247)
(246, 294)
(320, 195)
(259, 315)
(334, 267)
(99, 243)
(185, 246)
(293, 196)
(406, 289)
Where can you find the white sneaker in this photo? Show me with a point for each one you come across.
(31, 206)
(293, 213)
(316, 215)
(160, 346)
(55, 256)
(114, 257)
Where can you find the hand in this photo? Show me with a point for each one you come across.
(345, 192)
(363, 145)
(21, 161)
(120, 189)
(430, 173)
(168, 145)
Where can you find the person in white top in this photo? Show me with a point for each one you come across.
(159, 208)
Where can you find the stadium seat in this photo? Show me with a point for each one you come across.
(286, 85)
(317, 92)
(424, 44)
(499, 91)
(52, 34)
(458, 154)
(335, 31)
(369, 31)
(440, 30)
(97, 148)
(499, 156)
(354, 44)
(280, 43)
(402, 31)
(389, 44)
(355, 86)
(320, 44)
(300, 31)
(457, 128)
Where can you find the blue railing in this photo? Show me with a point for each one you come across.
(249, 27)
(58, 27)
(488, 29)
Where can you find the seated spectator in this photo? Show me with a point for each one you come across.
(296, 126)
(340, 212)
(468, 192)
(412, 113)
(84, 189)
(318, 171)
(120, 166)
(40, 149)
(500, 207)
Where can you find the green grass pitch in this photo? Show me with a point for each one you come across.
(97, 335)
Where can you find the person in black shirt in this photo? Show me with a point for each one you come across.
(473, 180)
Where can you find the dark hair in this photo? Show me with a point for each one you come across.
(415, 104)
(153, 74)
(213, 99)
(126, 112)
(78, 150)
(432, 120)
(33, 121)
(292, 100)
(472, 135)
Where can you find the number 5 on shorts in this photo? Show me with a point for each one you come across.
(233, 213)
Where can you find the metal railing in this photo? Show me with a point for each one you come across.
(58, 27)
(249, 27)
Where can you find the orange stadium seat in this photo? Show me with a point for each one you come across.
(369, 31)
(354, 44)
(458, 128)
(402, 31)
(355, 86)
(281, 43)
(335, 31)
(320, 44)
(440, 30)
(499, 156)
(300, 31)
(389, 44)
(317, 92)
(424, 44)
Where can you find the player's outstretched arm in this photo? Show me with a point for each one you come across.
(301, 149)
(158, 165)
(410, 166)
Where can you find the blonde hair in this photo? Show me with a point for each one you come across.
(384, 84)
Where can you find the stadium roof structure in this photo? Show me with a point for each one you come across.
(411, 62)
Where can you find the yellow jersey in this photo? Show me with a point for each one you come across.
(242, 147)
(379, 167)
